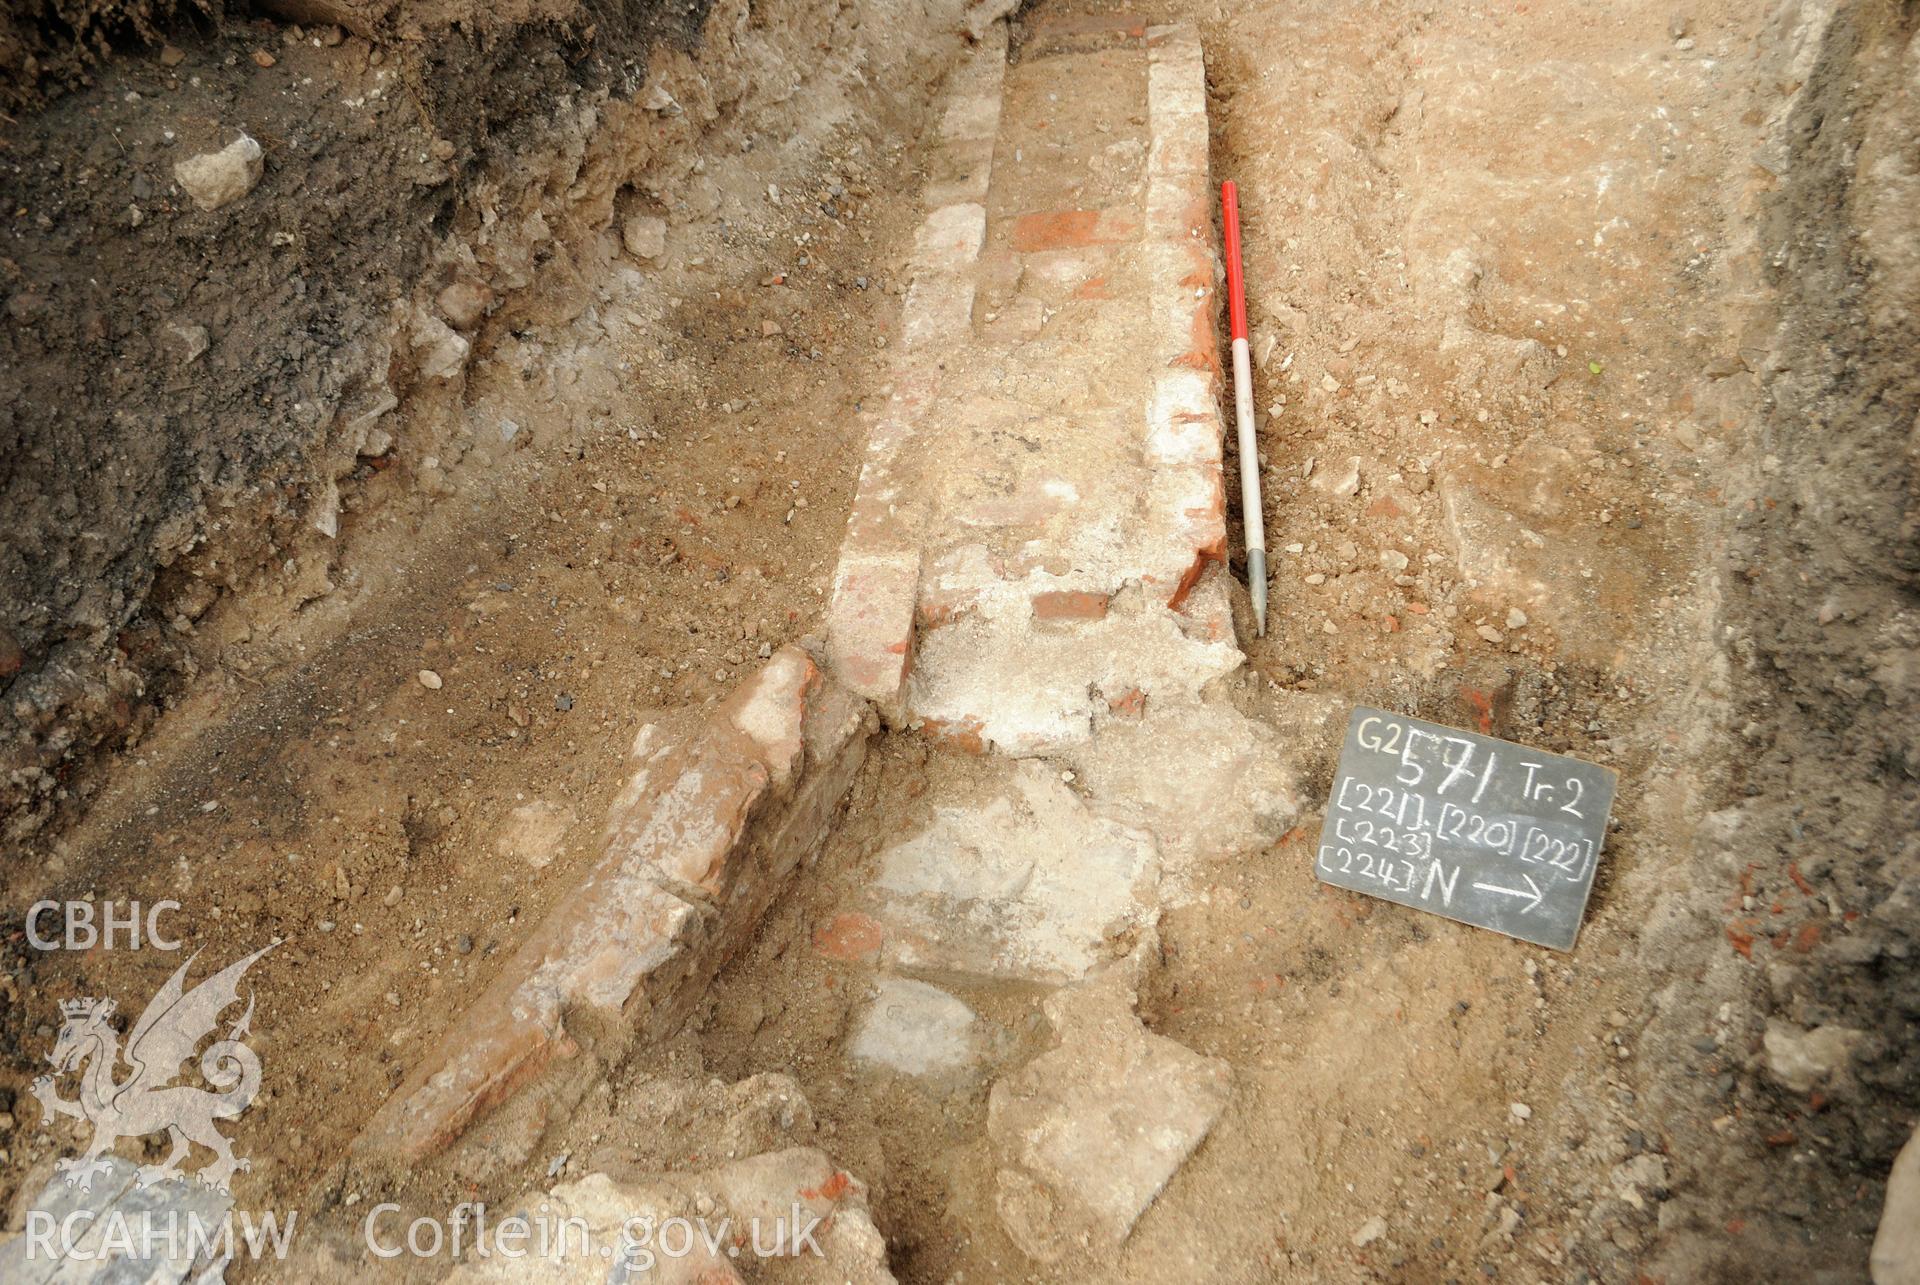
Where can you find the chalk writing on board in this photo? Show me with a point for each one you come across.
(1485, 831)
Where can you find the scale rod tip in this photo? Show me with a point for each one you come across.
(1257, 583)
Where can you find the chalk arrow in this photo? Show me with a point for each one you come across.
(1532, 894)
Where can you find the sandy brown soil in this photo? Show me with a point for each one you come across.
(1553, 337)
(1544, 301)
(633, 491)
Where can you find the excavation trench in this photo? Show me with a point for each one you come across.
(769, 294)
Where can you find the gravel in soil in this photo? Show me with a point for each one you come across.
(1541, 302)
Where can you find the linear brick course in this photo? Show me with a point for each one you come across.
(870, 622)
(1063, 449)
(701, 838)
(1073, 606)
(949, 239)
(871, 618)
(938, 312)
(1185, 430)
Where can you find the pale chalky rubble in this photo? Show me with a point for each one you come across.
(216, 179)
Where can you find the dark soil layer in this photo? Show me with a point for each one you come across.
(47, 47)
(1828, 579)
(1823, 614)
(123, 449)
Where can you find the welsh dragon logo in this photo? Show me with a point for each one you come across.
(147, 1101)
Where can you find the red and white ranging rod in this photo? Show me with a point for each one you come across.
(1250, 515)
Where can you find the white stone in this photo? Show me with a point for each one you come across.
(190, 338)
(1485, 537)
(1205, 779)
(915, 1029)
(326, 512)
(115, 1200)
(1029, 886)
(1343, 483)
(214, 179)
(1030, 691)
(645, 236)
(950, 238)
(770, 710)
(1638, 1179)
(464, 303)
(1896, 1247)
(442, 350)
(1802, 1060)
(1086, 1136)
(1371, 1230)
(766, 1187)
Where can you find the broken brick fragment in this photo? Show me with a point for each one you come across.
(849, 936)
(961, 734)
(1069, 604)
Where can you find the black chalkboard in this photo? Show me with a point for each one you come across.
(1467, 826)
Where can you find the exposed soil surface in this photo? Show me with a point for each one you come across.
(1584, 357)
(1530, 364)
(632, 490)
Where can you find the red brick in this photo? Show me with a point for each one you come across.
(849, 936)
(1090, 24)
(1069, 229)
(1215, 551)
(961, 733)
(761, 777)
(1096, 288)
(870, 622)
(1203, 350)
(1066, 604)
(513, 1032)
